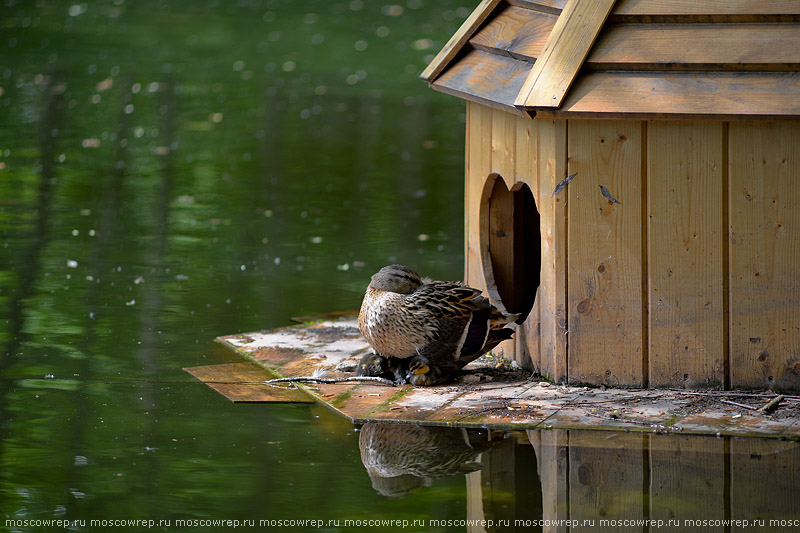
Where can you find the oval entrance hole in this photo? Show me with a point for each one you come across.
(511, 245)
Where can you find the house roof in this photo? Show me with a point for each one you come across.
(721, 59)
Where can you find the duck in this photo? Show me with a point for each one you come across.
(423, 331)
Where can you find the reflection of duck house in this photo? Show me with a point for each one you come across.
(683, 270)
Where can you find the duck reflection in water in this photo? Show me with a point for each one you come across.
(400, 458)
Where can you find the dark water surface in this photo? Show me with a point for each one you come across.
(172, 171)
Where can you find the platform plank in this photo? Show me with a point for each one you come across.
(243, 382)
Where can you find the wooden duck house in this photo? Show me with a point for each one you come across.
(673, 256)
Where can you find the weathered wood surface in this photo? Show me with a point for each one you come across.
(503, 144)
(701, 47)
(552, 7)
(552, 168)
(564, 53)
(453, 46)
(651, 59)
(706, 7)
(492, 399)
(685, 176)
(493, 170)
(479, 167)
(735, 95)
(644, 283)
(517, 32)
(485, 78)
(606, 324)
(764, 195)
(521, 33)
(244, 382)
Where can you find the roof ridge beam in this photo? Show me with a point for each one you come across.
(564, 53)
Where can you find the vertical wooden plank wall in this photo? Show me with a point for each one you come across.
(764, 198)
(500, 232)
(685, 177)
(692, 280)
(605, 253)
(478, 157)
(551, 169)
(532, 152)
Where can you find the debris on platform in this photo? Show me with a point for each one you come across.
(494, 394)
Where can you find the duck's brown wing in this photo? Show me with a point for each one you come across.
(457, 319)
(443, 299)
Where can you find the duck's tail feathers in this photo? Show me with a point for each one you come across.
(496, 336)
(491, 340)
(498, 320)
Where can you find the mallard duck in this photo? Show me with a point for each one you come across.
(422, 330)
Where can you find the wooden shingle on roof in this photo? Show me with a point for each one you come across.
(632, 58)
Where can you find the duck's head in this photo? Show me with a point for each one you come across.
(396, 278)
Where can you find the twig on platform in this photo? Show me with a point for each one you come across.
(772, 404)
(737, 404)
(314, 379)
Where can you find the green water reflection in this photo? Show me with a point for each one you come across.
(172, 171)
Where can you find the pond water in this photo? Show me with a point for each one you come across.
(172, 171)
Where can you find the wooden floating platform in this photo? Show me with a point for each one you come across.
(244, 382)
(494, 393)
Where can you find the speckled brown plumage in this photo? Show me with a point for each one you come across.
(425, 329)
